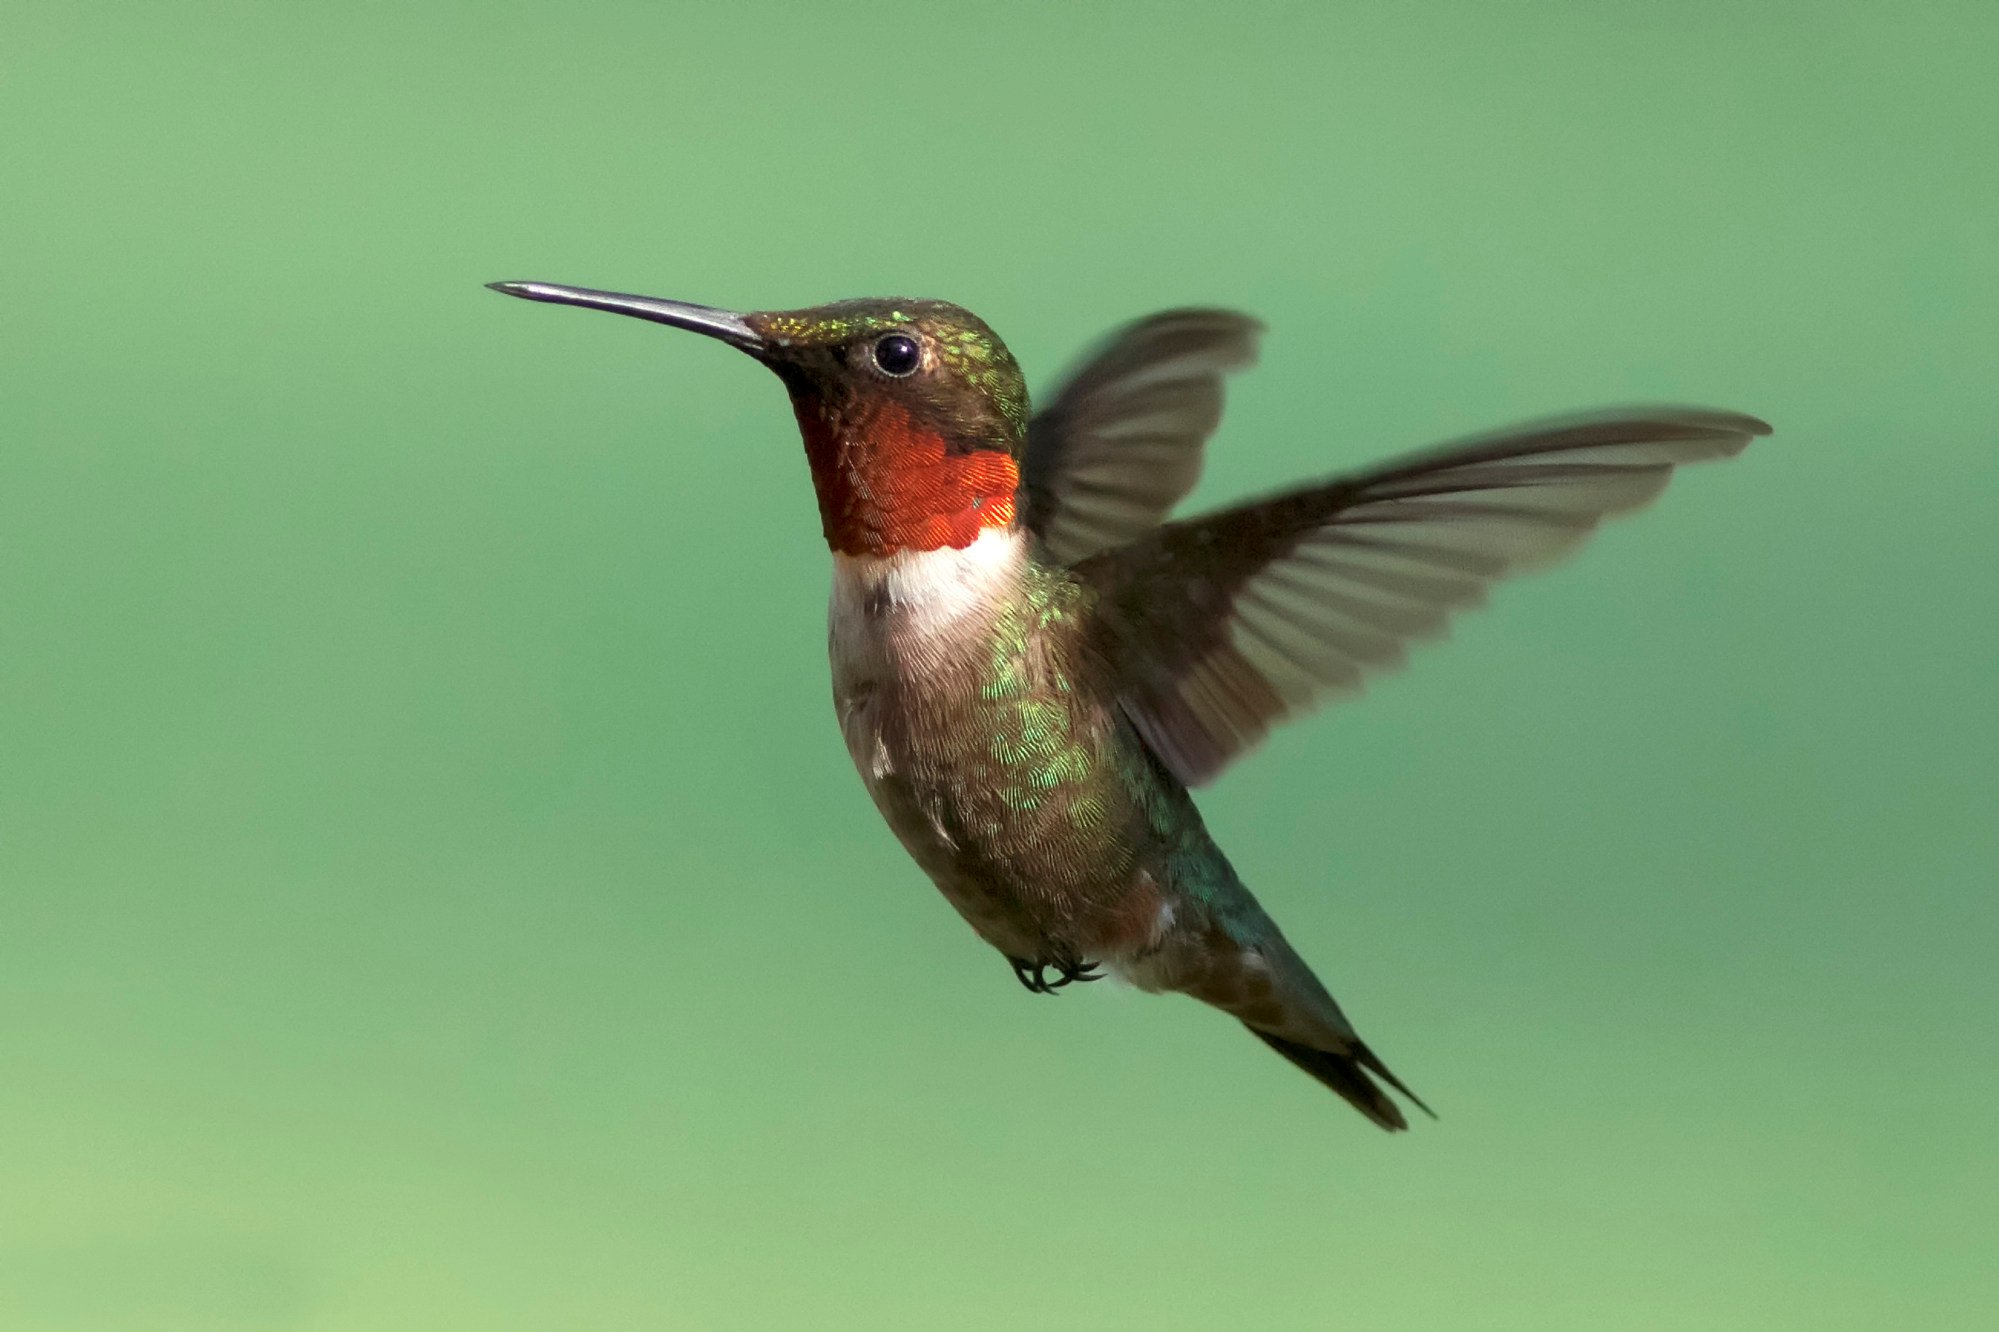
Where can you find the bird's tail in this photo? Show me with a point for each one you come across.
(1351, 1072)
(1251, 973)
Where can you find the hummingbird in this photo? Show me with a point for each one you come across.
(1033, 665)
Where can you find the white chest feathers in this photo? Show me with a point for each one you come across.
(917, 604)
(901, 630)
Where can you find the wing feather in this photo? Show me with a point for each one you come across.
(1120, 442)
(1218, 627)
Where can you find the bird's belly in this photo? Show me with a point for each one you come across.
(1039, 869)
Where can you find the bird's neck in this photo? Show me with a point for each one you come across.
(888, 486)
(946, 590)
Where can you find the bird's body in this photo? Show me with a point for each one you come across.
(1030, 666)
(962, 693)
(965, 692)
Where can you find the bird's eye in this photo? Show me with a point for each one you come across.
(897, 354)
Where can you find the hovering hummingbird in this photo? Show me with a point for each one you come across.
(1031, 665)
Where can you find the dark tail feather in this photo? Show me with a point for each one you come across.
(1347, 1074)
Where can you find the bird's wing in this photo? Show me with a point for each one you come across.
(1119, 443)
(1218, 627)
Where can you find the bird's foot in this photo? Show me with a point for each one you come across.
(1075, 973)
(1030, 975)
(1034, 975)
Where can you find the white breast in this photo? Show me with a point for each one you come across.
(930, 588)
(899, 622)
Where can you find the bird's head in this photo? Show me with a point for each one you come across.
(913, 412)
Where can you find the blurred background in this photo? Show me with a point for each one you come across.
(434, 890)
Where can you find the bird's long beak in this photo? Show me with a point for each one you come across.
(726, 325)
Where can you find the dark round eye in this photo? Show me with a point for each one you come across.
(897, 354)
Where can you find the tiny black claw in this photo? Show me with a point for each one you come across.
(1072, 972)
(1032, 975)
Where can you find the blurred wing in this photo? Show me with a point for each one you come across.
(1120, 442)
(1220, 626)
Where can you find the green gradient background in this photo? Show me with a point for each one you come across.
(434, 892)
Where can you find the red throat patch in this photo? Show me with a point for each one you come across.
(893, 485)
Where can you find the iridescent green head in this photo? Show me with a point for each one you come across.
(939, 360)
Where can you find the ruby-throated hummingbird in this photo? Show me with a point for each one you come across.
(1031, 666)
